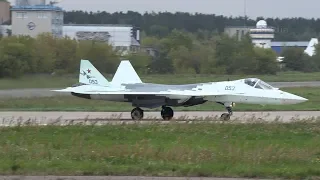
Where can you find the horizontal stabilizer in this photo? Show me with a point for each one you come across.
(125, 74)
(62, 90)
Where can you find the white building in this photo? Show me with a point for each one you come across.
(122, 37)
(37, 19)
(29, 2)
(262, 35)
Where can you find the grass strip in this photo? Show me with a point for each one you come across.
(265, 150)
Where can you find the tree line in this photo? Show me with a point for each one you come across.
(161, 24)
(179, 52)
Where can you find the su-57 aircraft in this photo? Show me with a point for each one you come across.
(126, 86)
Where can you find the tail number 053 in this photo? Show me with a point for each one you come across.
(230, 88)
(91, 81)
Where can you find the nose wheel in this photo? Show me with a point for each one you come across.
(137, 114)
(166, 113)
(226, 116)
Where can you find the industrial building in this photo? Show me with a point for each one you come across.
(122, 37)
(278, 46)
(33, 17)
(4, 12)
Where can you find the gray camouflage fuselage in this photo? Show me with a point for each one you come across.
(151, 101)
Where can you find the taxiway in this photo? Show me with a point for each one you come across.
(100, 118)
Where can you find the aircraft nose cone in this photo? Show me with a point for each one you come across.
(293, 99)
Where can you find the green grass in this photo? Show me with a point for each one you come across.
(222, 150)
(70, 103)
(47, 81)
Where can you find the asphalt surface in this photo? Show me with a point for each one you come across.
(102, 118)
(45, 92)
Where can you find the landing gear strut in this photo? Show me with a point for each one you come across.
(166, 113)
(137, 114)
(226, 116)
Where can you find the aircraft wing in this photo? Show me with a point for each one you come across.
(159, 93)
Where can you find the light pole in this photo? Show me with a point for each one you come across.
(245, 12)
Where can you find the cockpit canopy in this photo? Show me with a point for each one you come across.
(257, 83)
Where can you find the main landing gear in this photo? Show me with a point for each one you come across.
(137, 114)
(166, 113)
(226, 116)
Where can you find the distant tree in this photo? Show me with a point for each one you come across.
(266, 61)
(140, 61)
(12, 59)
(100, 54)
(181, 58)
(293, 58)
(244, 61)
(66, 55)
(162, 23)
(45, 52)
(150, 42)
(159, 31)
(226, 49)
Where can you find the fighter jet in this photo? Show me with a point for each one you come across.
(126, 86)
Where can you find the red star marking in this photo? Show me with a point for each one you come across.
(89, 70)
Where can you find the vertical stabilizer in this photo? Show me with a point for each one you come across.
(125, 74)
(310, 50)
(90, 75)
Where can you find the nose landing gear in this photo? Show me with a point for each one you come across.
(226, 116)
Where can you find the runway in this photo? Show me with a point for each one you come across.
(45, 92)
(102, 118)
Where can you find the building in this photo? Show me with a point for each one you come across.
(307, 46)
(237, 31)
(278, 46)
(29, 2)
(37, 19)
(154, 52)
(122, 37)
(4, 12)
(262, 35)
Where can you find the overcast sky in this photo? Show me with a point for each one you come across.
(265, 8)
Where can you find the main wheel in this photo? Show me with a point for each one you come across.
(137, 114)
(225, 117)
(166, 113)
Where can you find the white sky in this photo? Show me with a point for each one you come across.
(265, 8)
